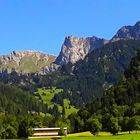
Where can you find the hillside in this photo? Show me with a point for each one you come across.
(117, 110)
(100, 69)
(14, 101)
(25, 61)
(119, 107)
(47, 95)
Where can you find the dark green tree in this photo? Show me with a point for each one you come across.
(114, 127)
(94, 125)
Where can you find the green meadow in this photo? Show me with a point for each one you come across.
(101, 136)
(46, 95)
(117, 137)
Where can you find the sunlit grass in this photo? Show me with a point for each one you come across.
(116, 137)
(48, 94)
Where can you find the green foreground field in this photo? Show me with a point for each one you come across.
(103, 137)
(118, 137)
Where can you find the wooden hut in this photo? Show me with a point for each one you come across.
(47, 132)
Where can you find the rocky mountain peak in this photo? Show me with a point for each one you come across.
(71, 41)
(76, 48)
(137, 24)
(128, 32)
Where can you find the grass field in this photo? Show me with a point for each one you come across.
(102, 136)
(118, 137)
(48, 94)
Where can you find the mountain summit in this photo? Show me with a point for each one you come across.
(128, 32)
(76, 48)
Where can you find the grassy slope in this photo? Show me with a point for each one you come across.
(68, 108)
(28, 64)
(80, 134)
(48, 94)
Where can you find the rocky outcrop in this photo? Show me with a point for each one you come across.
(128, 32)
(16, 56)
(25, 61)
(49, 69)
(75, 48)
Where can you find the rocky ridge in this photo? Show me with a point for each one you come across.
(25, 61)
(128, 32)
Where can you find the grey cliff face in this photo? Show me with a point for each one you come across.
(49, 69)
(75, 48)
(128, 32)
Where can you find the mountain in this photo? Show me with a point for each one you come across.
(121, 100)
(88, 78)
(84, 78)
(73, 49)
(76, 48)
(128, 32)
(99, 70)
(25, 61)
(108, 62)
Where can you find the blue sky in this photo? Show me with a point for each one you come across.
(43, 24)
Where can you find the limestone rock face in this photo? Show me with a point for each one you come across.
(49, 69)
(25, 61)
(75, 48)
(128, 32)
